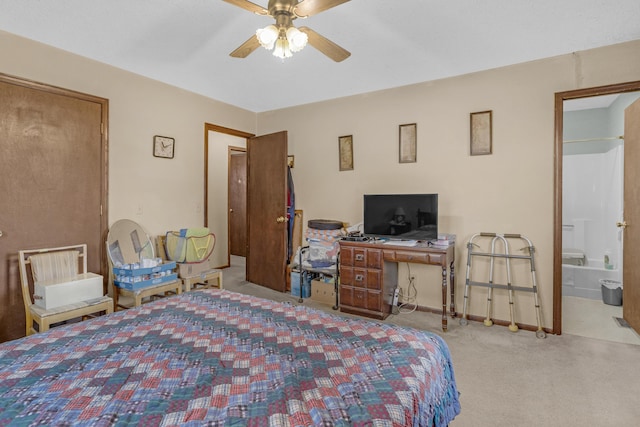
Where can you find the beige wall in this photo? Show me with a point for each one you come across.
(510, 191)
(159, 194)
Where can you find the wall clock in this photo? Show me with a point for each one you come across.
(163, 146)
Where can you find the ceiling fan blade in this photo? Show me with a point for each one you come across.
(247, 5)
(312, 7)
(246, 48)
(325, 45)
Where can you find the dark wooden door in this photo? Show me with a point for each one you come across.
(631, 274)
(52, 181)
(267, 210)
(238, 203)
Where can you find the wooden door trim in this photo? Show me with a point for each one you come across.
(560, 97)
(208, 127)
(230, 151)
(104, 149)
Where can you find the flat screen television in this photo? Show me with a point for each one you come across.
(401, 216)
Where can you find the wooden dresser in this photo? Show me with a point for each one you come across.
(369, 275)
(366, 284)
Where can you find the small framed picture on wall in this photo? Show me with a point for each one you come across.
(345, 151)
(481, 133)
(407, 145)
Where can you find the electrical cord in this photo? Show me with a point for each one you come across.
(412, 296)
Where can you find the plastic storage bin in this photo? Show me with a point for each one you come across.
(295, 285)
(611, 291)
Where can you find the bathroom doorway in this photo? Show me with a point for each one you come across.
(589, 180)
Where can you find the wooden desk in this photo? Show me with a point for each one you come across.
(369, 275)
(159, 290)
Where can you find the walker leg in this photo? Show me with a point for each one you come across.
(512, 326)
(463, 319)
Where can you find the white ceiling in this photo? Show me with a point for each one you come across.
(186, 43)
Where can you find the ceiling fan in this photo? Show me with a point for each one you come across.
(283, 37)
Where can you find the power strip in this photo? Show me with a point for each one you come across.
(396, 295)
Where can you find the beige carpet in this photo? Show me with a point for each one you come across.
(514, 379)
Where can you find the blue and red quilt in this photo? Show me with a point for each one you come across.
(218, 358)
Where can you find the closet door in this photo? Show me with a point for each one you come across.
(52, 181)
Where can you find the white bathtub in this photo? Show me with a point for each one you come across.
(584, 281)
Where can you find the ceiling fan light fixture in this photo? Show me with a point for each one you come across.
(282, 49)
(296, 38)
(267, 36)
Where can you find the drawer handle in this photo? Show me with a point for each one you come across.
(359, 296)
(359, 257)
(359, 277)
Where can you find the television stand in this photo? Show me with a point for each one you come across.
(369, 275)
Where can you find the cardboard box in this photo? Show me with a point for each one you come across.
(50, 294)
(323, 292)
(119, 271)
(196, 268)
(142, 284)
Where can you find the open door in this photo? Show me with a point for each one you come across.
(267, 210)
(631, 244)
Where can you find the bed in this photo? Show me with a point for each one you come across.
(217, 357)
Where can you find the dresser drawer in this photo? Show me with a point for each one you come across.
(406, 256)
(417, 257)
(361, 277)
(367, 299)
(358, 298)
(367, 258)
(360, 256)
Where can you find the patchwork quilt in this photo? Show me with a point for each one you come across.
(220, 358)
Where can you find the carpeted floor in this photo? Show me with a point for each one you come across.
(514, 379)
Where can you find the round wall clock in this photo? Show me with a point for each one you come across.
(163, 146)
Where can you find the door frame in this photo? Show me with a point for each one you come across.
(208, 127)
(560, 97)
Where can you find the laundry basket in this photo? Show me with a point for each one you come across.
(611, 291)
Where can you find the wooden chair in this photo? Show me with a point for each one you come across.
(55, 264)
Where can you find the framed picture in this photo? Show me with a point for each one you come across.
(345, 151)
(481, 133)
(407, 146)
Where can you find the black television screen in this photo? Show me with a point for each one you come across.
(401, 216)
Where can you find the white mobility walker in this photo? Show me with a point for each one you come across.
(501, 251)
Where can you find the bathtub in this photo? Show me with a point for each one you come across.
(584, 281)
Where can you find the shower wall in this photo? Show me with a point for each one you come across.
(593, 183)
(592, 203)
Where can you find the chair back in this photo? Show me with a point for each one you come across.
(49, 264)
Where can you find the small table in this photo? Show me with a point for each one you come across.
(160, 290)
